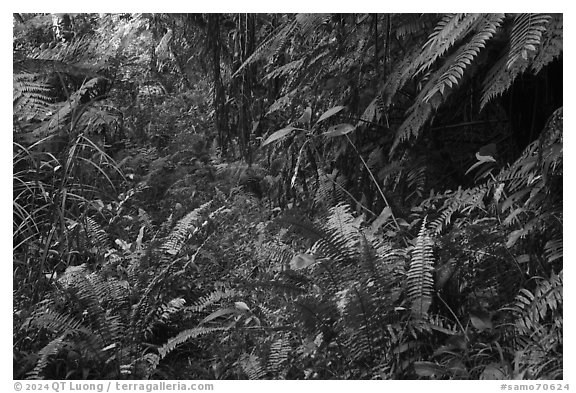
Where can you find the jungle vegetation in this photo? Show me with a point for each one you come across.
(287, 196)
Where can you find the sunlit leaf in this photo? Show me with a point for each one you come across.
(302, 261)
(339, 130)
(329, 113)
(284, 132)
(241, 306)
(306, 116)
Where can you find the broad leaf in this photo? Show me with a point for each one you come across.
(279, 135)
(481, 321)
(301, 261)
(241, 306)
(329, 113)
(339, 130)
(306, 116)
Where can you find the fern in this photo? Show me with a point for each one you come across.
(461, 200)
(184, 336)
(212, 298)
(279, 351)
(31, 97)
(307, 23)
(539, 323)
(411, 24)
(96, 234)
(450, 29)
(420, 113)
(271, 45)
(465, 55)
(526, 36)
(419, 281)
(53, 348)
(86, 327)
(524, 51)
(252, 367)
(551, 44)
(532, 309)
(292, 67)
(174, 242)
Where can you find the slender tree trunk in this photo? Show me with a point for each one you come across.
(220, 116)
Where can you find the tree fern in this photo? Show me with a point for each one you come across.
(419, 280)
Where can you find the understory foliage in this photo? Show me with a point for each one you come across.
(287, 196)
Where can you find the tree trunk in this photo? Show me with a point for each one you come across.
(220, 115)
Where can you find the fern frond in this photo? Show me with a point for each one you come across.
(465, 55)
(410, 24)
(279, 351)
(96, 234)
(451, 28)
(163, 315)
(500, 78)
(53, 348)
(252, 367)
(337, 238)
(553, 250)
(526, 36)
(68, 109)
(461, 200)
(56, 322)
(271, 45)
(31, 98)
(532, 309)
(292, 67)
(401, 73)
(552, 43)
(175, 241)
(307, 23)
(420, 113)
(419, 280)
(184, 336)
(214, 297)
(330, 188)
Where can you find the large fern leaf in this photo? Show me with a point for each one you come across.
(526, 36)
(466, 54)
(419, 281)
(450, 29)
(552, 43)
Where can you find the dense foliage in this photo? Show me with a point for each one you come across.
(278, 196)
